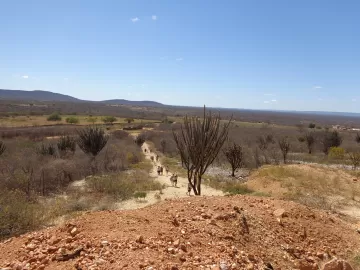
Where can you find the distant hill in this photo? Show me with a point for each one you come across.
(133, 103)
(36, 95)
(39, 95)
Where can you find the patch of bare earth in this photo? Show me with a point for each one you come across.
(241, 232)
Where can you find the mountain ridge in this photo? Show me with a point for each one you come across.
(42, 95)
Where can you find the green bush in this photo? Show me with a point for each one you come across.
(54, 117)
(312, 125)
(336, 152)
(109, 119)
(72, 120)
(140, 195)
(129, 120)
(92, 119)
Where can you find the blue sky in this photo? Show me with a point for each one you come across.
(278, 54)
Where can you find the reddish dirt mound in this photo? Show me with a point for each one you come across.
(194, 233)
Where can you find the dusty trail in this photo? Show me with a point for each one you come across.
(168, 192)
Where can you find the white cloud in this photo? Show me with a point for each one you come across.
(273, 100)
(134, 20)
(270, 95)
(25, 76)
(66, 79)
(353, 100)
(179, 59)
(154, 17)
(266, 101)
(317, 87)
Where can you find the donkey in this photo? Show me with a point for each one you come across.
(173, 179)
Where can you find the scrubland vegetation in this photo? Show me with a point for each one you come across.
(266, 153)
(43, 157)
(35, 172)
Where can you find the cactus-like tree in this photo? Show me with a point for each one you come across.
(235, 156)
(199, 142)
(92, 140)
(46, 150)
(310, 141)
(66, 144)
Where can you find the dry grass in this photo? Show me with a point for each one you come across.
(124, 185)
(231, 186)
(309, 184)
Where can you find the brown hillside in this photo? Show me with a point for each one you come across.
(194, 233)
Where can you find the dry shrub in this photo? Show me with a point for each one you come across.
(120, 134)
(118, 155)
(231, 186)
(18, 214)
(161, 139)
(122, 186)
(37, 133)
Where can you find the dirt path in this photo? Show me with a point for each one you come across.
(168, 192)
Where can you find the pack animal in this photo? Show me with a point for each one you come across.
(173, 180)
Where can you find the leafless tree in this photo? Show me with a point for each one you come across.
(330, 139)
(257, 158)
(199, 142)
(263, 143)
(284, 145)
(355, 160)
(310, 141)
(235, 156)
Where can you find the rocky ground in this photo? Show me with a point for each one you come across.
(238, 232)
